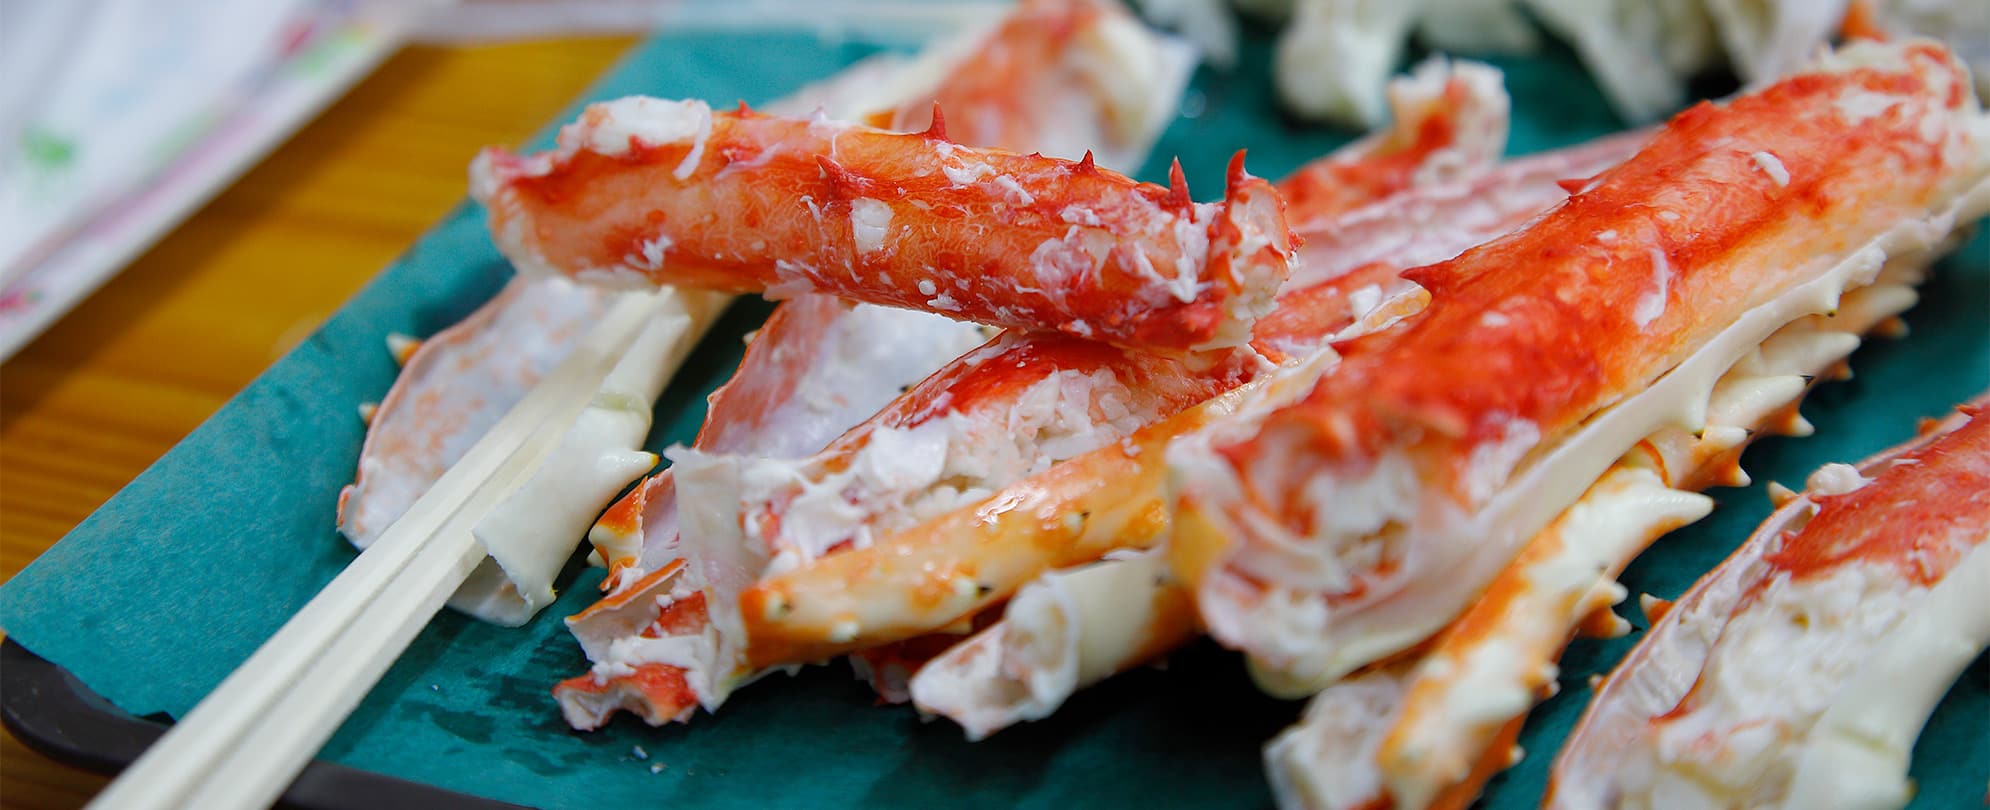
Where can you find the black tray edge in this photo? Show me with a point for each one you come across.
(52, 712)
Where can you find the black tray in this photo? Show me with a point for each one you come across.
(54, 713)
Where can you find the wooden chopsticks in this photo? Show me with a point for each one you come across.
(243, 743)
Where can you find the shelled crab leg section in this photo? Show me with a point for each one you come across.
(646, 190)
(1799, 672)
(1439, 737)
(1356, 523)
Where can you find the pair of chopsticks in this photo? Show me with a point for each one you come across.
(245, 742)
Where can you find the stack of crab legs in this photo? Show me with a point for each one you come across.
(1389, 427)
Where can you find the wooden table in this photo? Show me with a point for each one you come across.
(137, 366)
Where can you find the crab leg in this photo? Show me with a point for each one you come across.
(645, 190)
(1436, 741)
(1798, 673)
(1354, 524)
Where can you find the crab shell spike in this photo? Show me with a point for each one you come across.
(1086, 164)
(402, 347)
(367, 410)
(1603, 623)
(1731, 476)
(843, 183)
(1794, 425)
(938, 129)
(1178, 198)
(1655, 608)
(1235, 175)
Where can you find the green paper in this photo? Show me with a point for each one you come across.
(160, 593)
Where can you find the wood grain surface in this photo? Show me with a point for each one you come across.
(137, 366)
